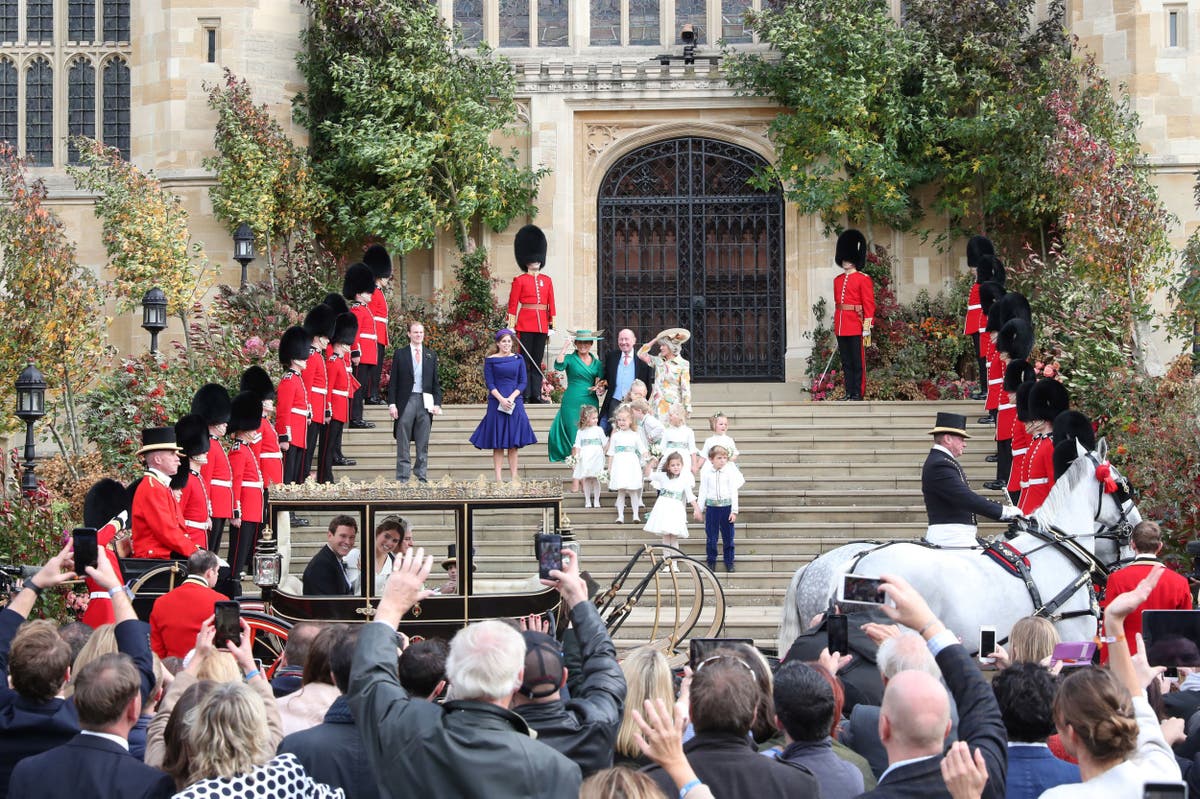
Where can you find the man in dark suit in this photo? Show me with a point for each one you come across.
(621, 368)
(327, 574)
(414, 396)
(1025, 694)
(915, 717)
(949, 502)
(96, 763)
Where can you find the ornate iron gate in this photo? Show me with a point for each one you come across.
(686, 241)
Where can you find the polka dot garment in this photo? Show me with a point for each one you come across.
(280, 778)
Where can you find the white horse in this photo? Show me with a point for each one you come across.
(968, 589)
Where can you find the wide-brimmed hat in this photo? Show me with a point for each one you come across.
(952, 423)
(157, 439)
(679, 335)
(586, 335)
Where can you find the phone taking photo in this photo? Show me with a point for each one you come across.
(228, 622)
(987, 644)
(838, 630)
(856, 589)
(85, 550)
(548, 547)
(1165, 790)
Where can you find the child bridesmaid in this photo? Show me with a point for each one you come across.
(589, 456)
(625, 456)
(669, 516)
(719, 424)
(678, 437)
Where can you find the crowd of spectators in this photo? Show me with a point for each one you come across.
(518, 709)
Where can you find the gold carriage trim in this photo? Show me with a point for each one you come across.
(445, 489)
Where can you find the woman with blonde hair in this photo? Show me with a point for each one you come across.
(101, 642)
(647, 677)
(1031, 640)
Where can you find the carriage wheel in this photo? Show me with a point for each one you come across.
(269, 636)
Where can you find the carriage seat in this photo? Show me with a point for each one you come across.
(133, 569)
(507, 585)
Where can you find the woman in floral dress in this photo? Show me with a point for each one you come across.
(672, 372)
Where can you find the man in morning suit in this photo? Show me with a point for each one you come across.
(326, 574)
(178, 615)
(621, 368)
(949, 502)
(96, 764)
(915, 716)
(414, 374)
(157, 521)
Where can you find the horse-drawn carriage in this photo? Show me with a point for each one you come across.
(489, 526)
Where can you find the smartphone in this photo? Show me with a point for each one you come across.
(701, 648)
(1165, 790)
(859, 590)
(987, 644)
(549, 553)
(1073, 653)
(85, 548)
(228, 622)
(838, 630)
(1172, 637)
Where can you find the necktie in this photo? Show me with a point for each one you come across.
(625, 361)
(416, 356)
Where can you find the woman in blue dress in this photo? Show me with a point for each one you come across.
(505, 427)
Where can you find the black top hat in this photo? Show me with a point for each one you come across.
(543, 665)
(978, 246)
(1016, 373)
(211, 403)
(104, 500)
(359, 280)
(1015, 339)
(376, 257)
(319, 321)
(294, 345)
(337, 302)
(1047, 399)
(852, 247)
(952, 423)
(246, 414)
(191, 433)
(529, 247)
(256, 379)
(452, 557)
(157, 439)
(345, 329)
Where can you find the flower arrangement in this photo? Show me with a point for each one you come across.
(571, 461)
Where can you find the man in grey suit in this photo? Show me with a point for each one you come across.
(414, 374)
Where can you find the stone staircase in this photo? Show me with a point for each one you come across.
(818, 475)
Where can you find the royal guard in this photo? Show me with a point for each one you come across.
(256, 380)
(1013, 345)
(156, 522)
(211, 403)
(1071, 428)
(854, 310)
(531, 306)
(105, 510)
(358, 288)
(341, 385)
(318, 324)
(977, 247)
(191, 433)
(377, 258)
(989, 293)
(1021, 438)
(248, 486)
(292, 411)
(1047, 399)
(1015, 374)
(339, 305)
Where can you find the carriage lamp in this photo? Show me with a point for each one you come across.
(31, 406)
(243, 248)
(267, 562)
(154, 316)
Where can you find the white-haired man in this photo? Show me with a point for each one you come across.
(473, 745)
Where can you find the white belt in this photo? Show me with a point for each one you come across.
(197, 525)
(278, 455)
(381, 319)
(317, 390)
(1020, 451)
(302, 411)
(1038, 481)
(252, 485)
(337, 393)
(1008, 406)
(100, 595)
(996, 382)
(223, 483)
(368, 335)
(974, 307)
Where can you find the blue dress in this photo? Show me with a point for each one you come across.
(504, 430)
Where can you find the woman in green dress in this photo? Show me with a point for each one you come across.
(583, 369)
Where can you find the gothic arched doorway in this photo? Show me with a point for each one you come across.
(686, 241)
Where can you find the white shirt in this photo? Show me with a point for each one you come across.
(720, 484)
(108, 736)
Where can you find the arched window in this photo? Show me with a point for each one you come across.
(39, 113)
(8, 20)
(81, 104)
(116, 20)
(8, 101)
(116, 105)
(468, 16)
(39, 20)
(81, 20)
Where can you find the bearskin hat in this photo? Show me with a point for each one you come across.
(337, 302)
(1023, 392)
(977, 247)
(211, 403)
(1015, 339)
(1048, 399)
(293, 346)
(180, 479)
(319, 322)
(1074, 426)
(256, 379)
(345, 329)
(990, 268)
(1065, 454)
(530, 246)
(191, 434)
(852, 247)
(376, 257)
(1018, 306)
(246, 414)
(989, 292)
(1012, 305)
(1016, 373)
(104, 500)
(359, 280)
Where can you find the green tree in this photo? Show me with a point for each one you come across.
(145, 232)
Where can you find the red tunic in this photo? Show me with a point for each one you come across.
(364, 345)
(193, 504)
(247, 483)
(270, 459)
(534, 294)
(1037, 473)
(291, 411)
(379, 310)
(99, 610)
(218, 480)
(316, 383)
(974, 312)
(1020, 445)
(157, 523)
(177, 615)
(1006, 419)
(995, 383)
(855, 301)
(1171, 593)
(339, 387)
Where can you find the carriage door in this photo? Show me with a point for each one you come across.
(686, 241)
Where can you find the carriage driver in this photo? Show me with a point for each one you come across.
(949, 501)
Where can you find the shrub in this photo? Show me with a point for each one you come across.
(33, 530)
